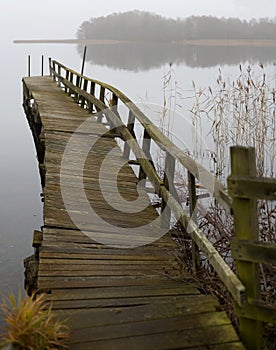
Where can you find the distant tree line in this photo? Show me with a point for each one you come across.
(149, 27)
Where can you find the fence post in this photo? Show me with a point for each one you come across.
(243, 163)
(193, 214)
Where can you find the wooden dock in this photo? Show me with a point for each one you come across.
(114, 296)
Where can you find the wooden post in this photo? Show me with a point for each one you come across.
(42, 65)
(67, 78)
(193, 214)
(169, 184)
(71, 77)
(101, 97)
(92, 92)
(114, 103)
(102, 94)
(50, 66)
(243, 163)
(29, 65)
(83, 60)
(146, 150)
(130, 126)
(85, 84)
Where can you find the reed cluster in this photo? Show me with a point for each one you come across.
(238, 112)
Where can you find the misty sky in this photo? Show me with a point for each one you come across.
(61, 18)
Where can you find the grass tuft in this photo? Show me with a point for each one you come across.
(30, 325)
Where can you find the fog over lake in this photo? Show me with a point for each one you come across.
(146, 56)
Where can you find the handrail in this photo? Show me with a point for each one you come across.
(208, 180)
(83, 89)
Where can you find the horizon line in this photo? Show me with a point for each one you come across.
(193, 42)
(66, 41)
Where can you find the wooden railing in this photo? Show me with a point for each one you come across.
(104, 99)
(247, 250)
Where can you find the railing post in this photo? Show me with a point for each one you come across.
(67, 78)
(130, 126)
(113, 105)
(50, 67)
(92, 92)
(85, 84)
(102, 94)
(193, 215)
(243, 163)
(101, 98)
(169, 184)
(59, 73)
(146, 150)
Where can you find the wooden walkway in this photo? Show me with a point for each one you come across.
(114, 297)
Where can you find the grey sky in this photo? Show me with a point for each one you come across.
(61, 18)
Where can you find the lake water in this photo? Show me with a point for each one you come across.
(141, 79)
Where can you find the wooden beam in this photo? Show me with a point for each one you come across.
(252, 187)
(257, 252)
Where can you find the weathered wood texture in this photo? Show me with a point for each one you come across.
(113, 298)
(245, 188)
(95, 95)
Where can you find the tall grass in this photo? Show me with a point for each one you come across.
(241, 112)
(238, 112)
(31, 326)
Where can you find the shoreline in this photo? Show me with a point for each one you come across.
(197, 42)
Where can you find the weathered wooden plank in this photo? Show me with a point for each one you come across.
(127, 291)
(252, 187)
(85, 241)
(223, 346)
(182, 324)
(88, 261)
(78, 319)
(257, 252)
(85, 303)
(114, 281)
(260, 311)
(167, 340)
(99, 273)
(108, 253)
(96, 266)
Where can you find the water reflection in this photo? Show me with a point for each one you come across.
(145, 56)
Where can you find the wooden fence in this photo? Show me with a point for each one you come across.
(104, 99)
(247, 250)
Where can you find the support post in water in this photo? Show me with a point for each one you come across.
(29, 65)
(83, 60)
(42, 65)
(243, 163)
(79, 79)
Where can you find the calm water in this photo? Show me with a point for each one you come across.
(21, 208)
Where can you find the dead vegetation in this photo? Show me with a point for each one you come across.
(240, 112)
